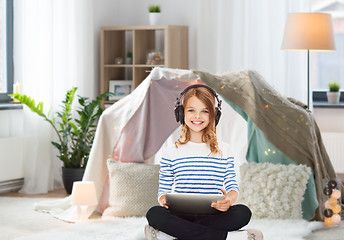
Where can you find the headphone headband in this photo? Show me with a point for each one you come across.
(196, 86)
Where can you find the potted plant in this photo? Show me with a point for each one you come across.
(129, 59)
(333, 95)
(74, 135)
(154, 14)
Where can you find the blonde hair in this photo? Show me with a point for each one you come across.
(209, 133)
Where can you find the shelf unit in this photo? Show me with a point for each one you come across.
(115, 42)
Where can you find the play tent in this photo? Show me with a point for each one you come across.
(254, 118)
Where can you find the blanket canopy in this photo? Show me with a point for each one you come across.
(259, 124)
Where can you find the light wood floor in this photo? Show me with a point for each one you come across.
(57, 193)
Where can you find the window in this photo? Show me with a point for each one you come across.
(327, 66)
(6, 49)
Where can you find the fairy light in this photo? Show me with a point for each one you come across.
(336, 218)
(336, 208)
(327, 204)
(332, 204)
(336, 194)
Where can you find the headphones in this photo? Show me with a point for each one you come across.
(179, 109)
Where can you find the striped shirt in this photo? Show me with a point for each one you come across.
(191, 168)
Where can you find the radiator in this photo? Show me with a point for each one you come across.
(11, 164)
(334, 144)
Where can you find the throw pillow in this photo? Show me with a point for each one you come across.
(273, 190)
(133, 188)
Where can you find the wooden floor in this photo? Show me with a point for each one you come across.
(57, 193)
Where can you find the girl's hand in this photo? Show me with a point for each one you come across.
(162, 201)
(225, 204)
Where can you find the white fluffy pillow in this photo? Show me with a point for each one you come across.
(273, 190)
(133, 188)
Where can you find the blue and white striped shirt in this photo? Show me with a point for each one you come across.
(191, 168)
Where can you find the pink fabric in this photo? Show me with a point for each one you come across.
(139, 141)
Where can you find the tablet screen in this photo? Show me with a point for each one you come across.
(192, 203)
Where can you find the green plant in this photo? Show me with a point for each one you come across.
(154, 8)
(334, 86)
(129, 54)
(75, 135)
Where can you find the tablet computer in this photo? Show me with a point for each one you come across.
(191, 203)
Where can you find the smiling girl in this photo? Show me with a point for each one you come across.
(198, 163)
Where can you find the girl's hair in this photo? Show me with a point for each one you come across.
(209, 133)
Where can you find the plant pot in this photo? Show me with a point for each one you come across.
(333, 97)
(154, 18)
(71, 175)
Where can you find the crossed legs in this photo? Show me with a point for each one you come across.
(200, 227)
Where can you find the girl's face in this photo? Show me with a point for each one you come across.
(196, 115)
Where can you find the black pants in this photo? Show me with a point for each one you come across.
(200, 227)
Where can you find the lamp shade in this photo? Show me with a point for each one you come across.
(84, 194)
(308, 31)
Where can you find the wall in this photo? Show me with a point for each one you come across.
(105, 13)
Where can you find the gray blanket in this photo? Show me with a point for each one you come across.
(286, 124)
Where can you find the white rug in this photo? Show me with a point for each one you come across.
(18, 221)
(132, 228)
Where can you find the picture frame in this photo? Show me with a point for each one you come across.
(120, 88)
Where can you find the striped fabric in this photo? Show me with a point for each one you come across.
(196, 173)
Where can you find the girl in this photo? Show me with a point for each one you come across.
(198, 163)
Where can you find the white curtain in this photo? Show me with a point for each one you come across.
(247, 34)
(53, 51)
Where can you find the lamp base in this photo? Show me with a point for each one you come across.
(83, 214)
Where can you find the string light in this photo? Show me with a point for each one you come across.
(327, 204)
(332, 201)
(336, 194)
(336, 208)
(328, 221)
(332, 204)
(336, 218)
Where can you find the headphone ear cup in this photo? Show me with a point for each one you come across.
(176, 113)
(217, 116)
(181, 114)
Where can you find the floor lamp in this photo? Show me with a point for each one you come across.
(308, 31)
